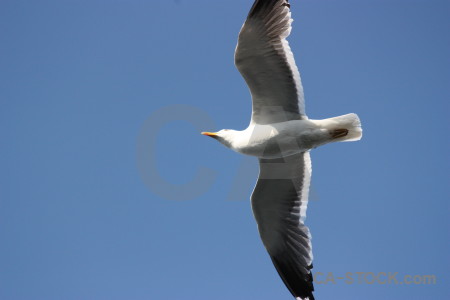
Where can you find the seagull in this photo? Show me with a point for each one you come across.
(280, 135)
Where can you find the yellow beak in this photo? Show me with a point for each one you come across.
(210, 133)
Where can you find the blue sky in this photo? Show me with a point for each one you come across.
(104, 196)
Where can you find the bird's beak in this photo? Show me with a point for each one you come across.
(211, 134)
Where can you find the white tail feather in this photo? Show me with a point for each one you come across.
(350, 122)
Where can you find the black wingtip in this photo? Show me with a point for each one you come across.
(260, 6)
(286, 4)
(300, 285)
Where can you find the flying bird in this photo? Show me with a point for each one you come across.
(280, 135)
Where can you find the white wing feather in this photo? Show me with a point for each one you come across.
(265, 60)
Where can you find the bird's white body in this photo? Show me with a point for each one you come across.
(280, 134)
(291, 137)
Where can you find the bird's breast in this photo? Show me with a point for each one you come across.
(278, 140)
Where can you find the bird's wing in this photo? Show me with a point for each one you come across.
(265, 60)
(279, 203)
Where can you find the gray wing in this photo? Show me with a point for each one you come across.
(265, 60)
(279, 203)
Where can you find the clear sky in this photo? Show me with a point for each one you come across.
(108, 191)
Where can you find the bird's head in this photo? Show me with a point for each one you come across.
(225, 136)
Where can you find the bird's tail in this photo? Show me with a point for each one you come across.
(344, 128)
